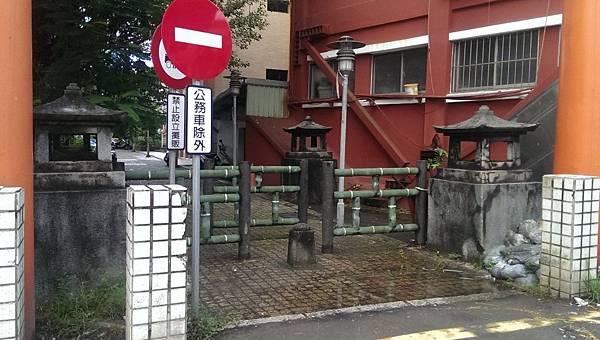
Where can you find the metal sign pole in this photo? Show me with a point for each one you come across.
(196, 164)
(172, 165)
(196, 187)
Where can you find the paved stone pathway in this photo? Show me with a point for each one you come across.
(363, 270)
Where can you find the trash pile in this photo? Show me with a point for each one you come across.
(518, 259)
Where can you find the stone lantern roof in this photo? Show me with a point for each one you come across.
(74, 110)
(484, 123)
(308, 127)
(485, 128)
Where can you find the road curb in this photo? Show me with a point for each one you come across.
(380, 307)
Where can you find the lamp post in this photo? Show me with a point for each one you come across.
(346, 58)
(235, 84)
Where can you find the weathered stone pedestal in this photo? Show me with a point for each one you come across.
(301, 246)
(471, 211)
(474, 202)
(79, 197)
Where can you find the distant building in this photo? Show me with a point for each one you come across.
(457, 55)
(266, 86)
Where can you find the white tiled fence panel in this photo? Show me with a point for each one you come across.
(156, 262)
(11, 263)
(569, 233)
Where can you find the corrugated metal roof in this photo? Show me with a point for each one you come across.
(266, 98)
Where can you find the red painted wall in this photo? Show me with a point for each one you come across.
(375, 21)
(260, 152)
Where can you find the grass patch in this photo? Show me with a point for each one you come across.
(72, 311)
(95, 310)
(538, 291)
(206, 325)
(593, 288)
(454, 256)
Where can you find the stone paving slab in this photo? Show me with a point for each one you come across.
(363, 270)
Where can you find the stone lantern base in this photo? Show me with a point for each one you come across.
(315, 170)
(471, 211)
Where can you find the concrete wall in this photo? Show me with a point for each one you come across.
(79, 234)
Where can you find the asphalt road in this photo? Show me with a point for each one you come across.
(515, 317)
(138, 160)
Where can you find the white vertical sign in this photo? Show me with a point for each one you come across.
(175, 121)
(199, 119)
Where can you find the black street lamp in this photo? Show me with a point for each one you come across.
(346, 58)
(235, 84)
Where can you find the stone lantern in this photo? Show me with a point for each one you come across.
(309, 141)
(485, 128)
(475, 201)
(315, 133)
(80, 207)
(73, 135)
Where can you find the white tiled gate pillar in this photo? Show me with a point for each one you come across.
(11, 263)
(156, 262)
(569, 233)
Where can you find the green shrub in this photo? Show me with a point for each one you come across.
(593, 288)
(206, 325)
(70, 311)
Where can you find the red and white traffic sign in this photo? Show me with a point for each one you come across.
(197, 38)
(164, 68)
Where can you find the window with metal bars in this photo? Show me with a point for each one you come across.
(503, 61)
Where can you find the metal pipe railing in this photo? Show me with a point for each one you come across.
(330, 195)
(380, 193)
(382, 229)
(375, 172)
(186, 174)
(281, 169)
(263, 189)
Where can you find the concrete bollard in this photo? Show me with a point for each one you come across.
(301, 246)
(569, 233)
(11, 263)
(156, 262)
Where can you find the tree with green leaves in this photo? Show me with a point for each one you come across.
(104, 46)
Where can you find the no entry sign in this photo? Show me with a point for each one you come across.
(164, 68)
(199, 119)
(197, 38)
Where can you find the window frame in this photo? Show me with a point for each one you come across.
(312, 66)
(278, 71)
(401, 52)
(455, 65)
(277, 4)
